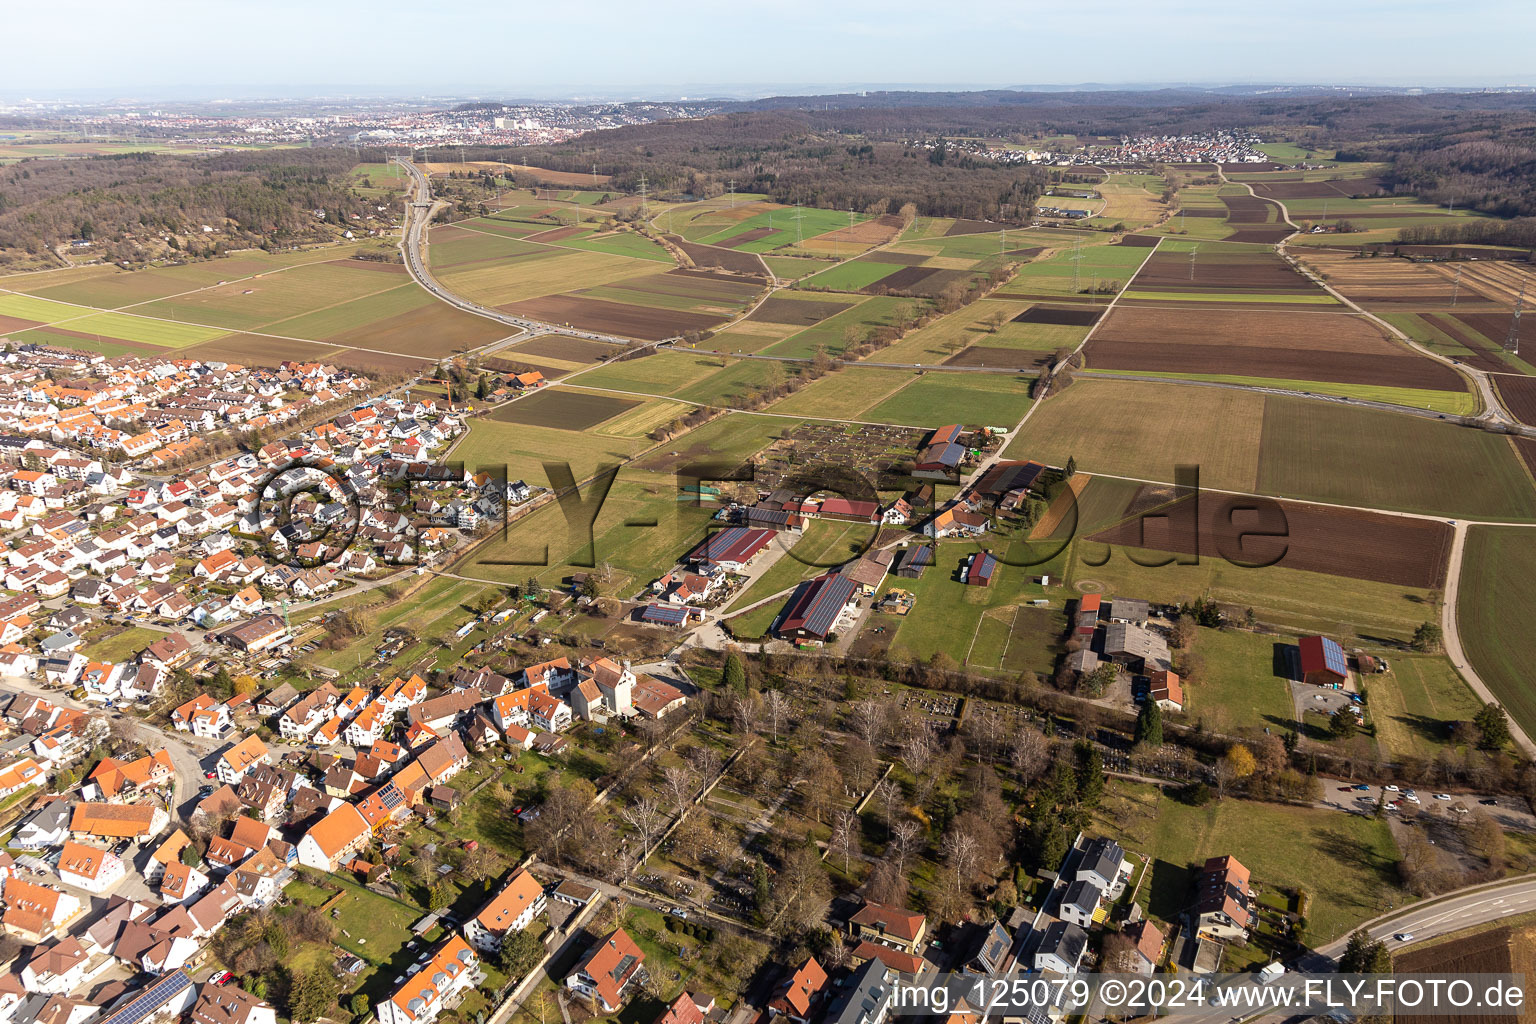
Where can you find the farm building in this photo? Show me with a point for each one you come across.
(868, 572)
(957, 522)
(980, 567)
(1005, 478)
(732, 548)
(1322, 661)
(1129, 609)
(669, 614)
(1138, 649)
(911, 562)
(813, 608)
(776, 519)
(939, 458)
(844, 508)
(1087, 619)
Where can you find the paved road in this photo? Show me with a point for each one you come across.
(1450, 631)
(420, 209)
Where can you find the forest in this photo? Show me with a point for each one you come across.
(141, 206)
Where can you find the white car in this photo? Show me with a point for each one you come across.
(1404, 936)
(1411, 797)
(1442, 796)
(1390, 788)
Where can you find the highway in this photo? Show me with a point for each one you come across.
(419, 211)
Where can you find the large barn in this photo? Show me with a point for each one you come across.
(814, 607)
(1322, 661)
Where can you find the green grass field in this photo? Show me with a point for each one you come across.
(843, 330)
(1494, 609)
(979, 399)
(1334, 453)
(846, 394)
(1346, 863)
(851, 276)
(1241, 690)
(1144, 430)
(1414, 705)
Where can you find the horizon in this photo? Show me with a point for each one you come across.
(296, 52)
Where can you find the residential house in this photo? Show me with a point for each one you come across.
(799, 996)
(89, 867)
(510, 910)
(434, 986)
(889, 926)
(607, 971)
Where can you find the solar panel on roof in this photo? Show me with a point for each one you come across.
(153, 999)
(667, 614)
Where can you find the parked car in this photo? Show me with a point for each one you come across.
(1363, 788)
(1442, 796)
(1390, 787)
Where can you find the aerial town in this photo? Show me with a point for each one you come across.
(636, 521)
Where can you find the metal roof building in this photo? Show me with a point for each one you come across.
(1322, 661)
(735, 545)
(813, 608)
(980, 568)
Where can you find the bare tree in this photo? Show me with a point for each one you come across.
(960, 849)
(776, 707)
(887, 792)
(1029, 753)
(917, 749)
(745, 709)
(680, 783)
(845, 835)
(903, 834)
(646, 817)
(705, 761)
(868, 718)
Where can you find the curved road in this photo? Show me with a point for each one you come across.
(419, 211)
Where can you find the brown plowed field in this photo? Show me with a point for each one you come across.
(924, 282)
(1382, 281)
(775, 310)
(577, 179)
(1053, 315)
(1200, 211)
(1140, 241)
(555, 234)
(1249, 210)
(726, 259)
(987, 355)
(745, 237)
(878, 231)
(253, 350)
(432, 332)
(558, 346)
(1507, 950)
(901, 259)
(1519, 395)
(1295, 189)
(1334, 347)
(1247, 273)
(374, 362)
(16, 323)
(563, 410)
(970, 227)
(1262, 236)
(1361, 545)
(620, 318)
(708, 287)
(1495, 327)
(1526, 446)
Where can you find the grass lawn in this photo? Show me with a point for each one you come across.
(369, 924)
(1414, 705)
(124, 645)
(524, 449)
(1240, 689)
(1496, 600)
(1346, 863)
(846, 394)
(663, 373)
(846, 329)
(948, 616)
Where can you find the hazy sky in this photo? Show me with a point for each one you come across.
(145, 48)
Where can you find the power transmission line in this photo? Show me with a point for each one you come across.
(1512, 340)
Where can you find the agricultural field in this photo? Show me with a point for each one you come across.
(1281, 445)
(1286, 345)
(1252, 276)
(1240, 689)
(934, 399)
(846, 329)
(1496, 600)
(1453, 336)
(1333, 453)
(1076, 272)
(988, 332)
(1144, 430)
